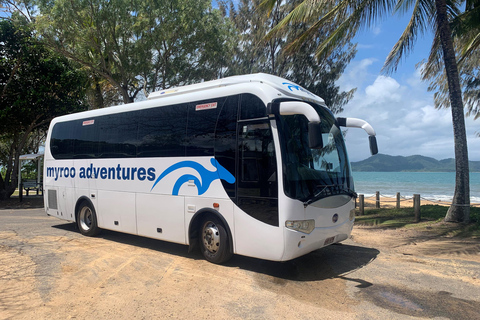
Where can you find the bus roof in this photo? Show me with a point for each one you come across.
(286, 87)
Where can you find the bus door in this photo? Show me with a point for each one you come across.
(257, 187)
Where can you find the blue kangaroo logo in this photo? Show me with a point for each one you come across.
(292, 86)
(207, 176)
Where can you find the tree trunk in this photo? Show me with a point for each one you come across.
(126, 97)
(459, 211)
(98, 94)
(10, 183)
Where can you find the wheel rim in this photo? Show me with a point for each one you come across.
(211, 237)
(86, 218)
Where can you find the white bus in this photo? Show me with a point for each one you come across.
(252, 165)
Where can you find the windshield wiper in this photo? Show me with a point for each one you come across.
(350, 192)
(317, 195)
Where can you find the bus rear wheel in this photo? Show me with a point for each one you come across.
(214, 241)
(87, 220)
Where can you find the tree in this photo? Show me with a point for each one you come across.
(466, 32)
(355, 15)
(254, 54)
(138, 46)
(36, 86)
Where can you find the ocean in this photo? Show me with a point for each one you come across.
(437, 186)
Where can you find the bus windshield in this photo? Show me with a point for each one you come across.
(313, 174)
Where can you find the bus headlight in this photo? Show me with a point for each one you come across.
(305, 226)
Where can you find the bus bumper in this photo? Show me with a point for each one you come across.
(298, 243)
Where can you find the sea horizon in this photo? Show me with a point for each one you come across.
(435, 186)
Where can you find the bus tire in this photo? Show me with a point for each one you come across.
(87, 220)
(214, 240)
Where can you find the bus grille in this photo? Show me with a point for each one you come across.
(52, 199)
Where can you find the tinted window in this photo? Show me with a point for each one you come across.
(226, 139)
(202, 118)
(86, 143)
(154, 132)
(257, 175)
(252, 107)
(62, 141)
(161, 131)
(117, 135)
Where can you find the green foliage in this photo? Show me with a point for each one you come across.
(139, 45)
(36, 85)
(255, 54)
(469, 71)
(29, 170)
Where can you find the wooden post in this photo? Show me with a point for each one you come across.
(416, 207)
(361, 200)
(377, 202)
(398, 200)
(20, 192)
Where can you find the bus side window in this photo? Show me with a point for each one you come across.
(117, 136)
(252, 107)
(226, 140)
(86, 143)
(161, 131)
(62, 141)
(202, 119)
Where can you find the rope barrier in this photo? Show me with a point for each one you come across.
(385, 198)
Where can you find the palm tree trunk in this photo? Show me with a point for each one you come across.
(459, 211)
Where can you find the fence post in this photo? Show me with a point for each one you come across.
(398, 200)
(377, 201)
(20, 192)
(361, 202)
(416, 207)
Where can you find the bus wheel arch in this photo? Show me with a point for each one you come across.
(212, 220)
(86, 217)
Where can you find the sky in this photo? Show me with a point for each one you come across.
(398, 106)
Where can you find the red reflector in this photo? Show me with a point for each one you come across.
(216, 205)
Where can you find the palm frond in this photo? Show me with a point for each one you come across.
(434, 64)
(471, 46)
(302, 13)
(333, 14)
(355, 15)
(268, 5)
(418, 24)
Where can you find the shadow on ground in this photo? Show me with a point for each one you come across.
(30, 202)
(328, 262)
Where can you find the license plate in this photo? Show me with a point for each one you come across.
(329, 241)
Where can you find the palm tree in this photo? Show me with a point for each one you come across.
(353, 15)
(467, 28)
(466, 32)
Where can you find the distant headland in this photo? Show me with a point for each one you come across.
(386, 163)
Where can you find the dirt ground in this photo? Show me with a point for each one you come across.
(48, 270)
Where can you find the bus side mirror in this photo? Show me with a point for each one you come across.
(362, 124)
(373, 145)
(315, 140)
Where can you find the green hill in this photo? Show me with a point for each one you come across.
(386, 163)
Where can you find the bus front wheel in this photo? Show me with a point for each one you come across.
(214, 241)
(87, 220)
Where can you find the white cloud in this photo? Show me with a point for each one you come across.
(357, 72)
(384, 89)
(376, 31)
(403, 115)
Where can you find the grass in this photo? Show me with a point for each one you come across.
(431, 220)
